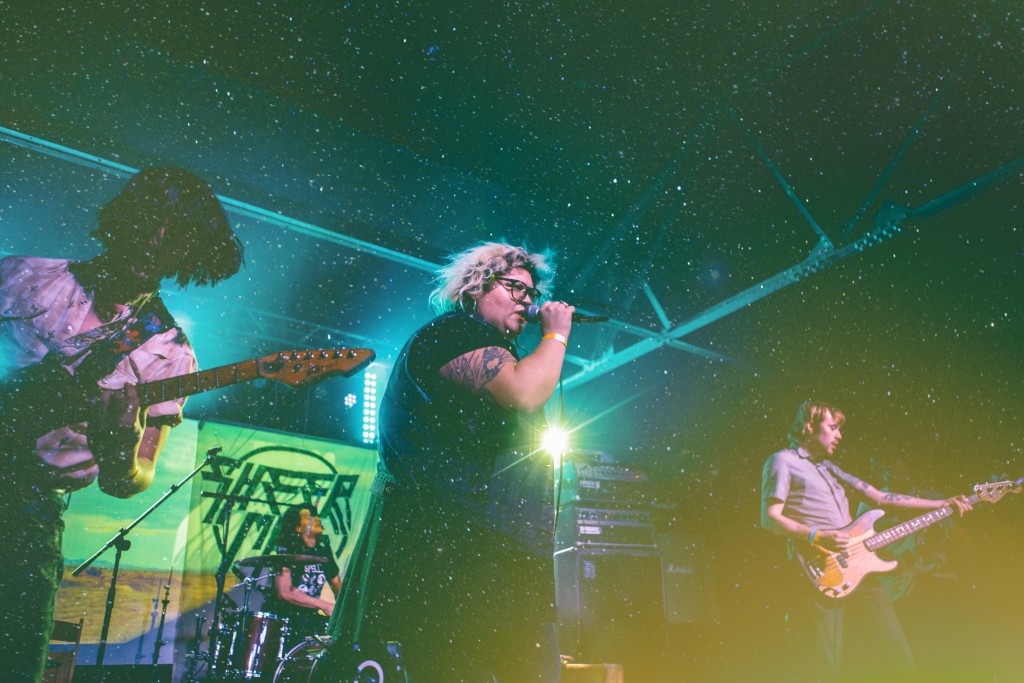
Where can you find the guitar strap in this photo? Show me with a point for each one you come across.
(98, 357)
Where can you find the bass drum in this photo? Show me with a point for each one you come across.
(301, 661)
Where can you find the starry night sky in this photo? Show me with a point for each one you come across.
(644, 143)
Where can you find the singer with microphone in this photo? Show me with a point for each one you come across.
(455, 560)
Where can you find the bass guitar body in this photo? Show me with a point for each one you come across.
(837, 574)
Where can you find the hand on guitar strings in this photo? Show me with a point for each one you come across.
(834, 540)
(116, 424)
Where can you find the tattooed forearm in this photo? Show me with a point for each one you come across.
(476, 369)
(895, 498)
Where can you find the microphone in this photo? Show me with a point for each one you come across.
(532, 315)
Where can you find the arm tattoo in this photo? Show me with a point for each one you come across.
(895, 498)
(476, 369)
(857, 483)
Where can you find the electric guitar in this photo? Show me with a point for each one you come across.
(41, 398)
(837, 574)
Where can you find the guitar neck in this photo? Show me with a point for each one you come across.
(205, 380)
(42, 397)
(183, 386)
(293, 368)
(911, 526)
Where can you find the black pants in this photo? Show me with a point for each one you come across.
(464, 608)
(855, 639)
(30, 535)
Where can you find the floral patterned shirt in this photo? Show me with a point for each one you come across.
(43, 310)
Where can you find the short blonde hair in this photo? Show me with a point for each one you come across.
(469, 274)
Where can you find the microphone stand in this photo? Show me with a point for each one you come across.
(121, 543)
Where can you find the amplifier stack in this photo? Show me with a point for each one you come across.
(619, 580)
(607, 568)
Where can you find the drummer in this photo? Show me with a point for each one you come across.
(298, 587)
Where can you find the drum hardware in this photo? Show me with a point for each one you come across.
(374, 662)
(279, 561)
(301, 661)
(244, 643)
(193, 657)
(249, 646)
(249, 581)
(218, 656)
(159, 642)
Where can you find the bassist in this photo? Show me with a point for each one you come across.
(804, 497)
(100, 321)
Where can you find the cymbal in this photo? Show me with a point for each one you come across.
(278, 561)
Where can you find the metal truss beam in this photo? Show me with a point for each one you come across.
(232, 205)
(887, 225)
(824, 254)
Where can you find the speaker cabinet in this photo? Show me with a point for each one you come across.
(688, 580)
(610, 607)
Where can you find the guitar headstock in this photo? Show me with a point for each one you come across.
(295, 368)
(993, 492)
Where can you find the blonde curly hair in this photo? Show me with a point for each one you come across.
(469, 274)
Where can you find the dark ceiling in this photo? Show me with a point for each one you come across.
(673, 155)
(677, 156)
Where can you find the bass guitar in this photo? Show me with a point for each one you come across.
(838, 573)
(42, 398)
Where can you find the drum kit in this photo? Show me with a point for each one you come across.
(251, 645)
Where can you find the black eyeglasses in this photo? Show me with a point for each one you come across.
(520, 289)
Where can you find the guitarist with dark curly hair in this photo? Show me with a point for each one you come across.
(847, 628)
(75, 339)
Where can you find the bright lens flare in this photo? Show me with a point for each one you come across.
(555, 442)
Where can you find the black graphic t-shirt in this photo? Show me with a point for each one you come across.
(309, 578)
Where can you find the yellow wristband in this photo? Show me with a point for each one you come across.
(557, 337)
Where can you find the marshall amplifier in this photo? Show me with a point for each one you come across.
(603, 528)
(609, 483)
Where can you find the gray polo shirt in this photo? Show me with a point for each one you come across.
(812, 492)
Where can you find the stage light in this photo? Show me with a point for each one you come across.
(555, 441)
(370, 406)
